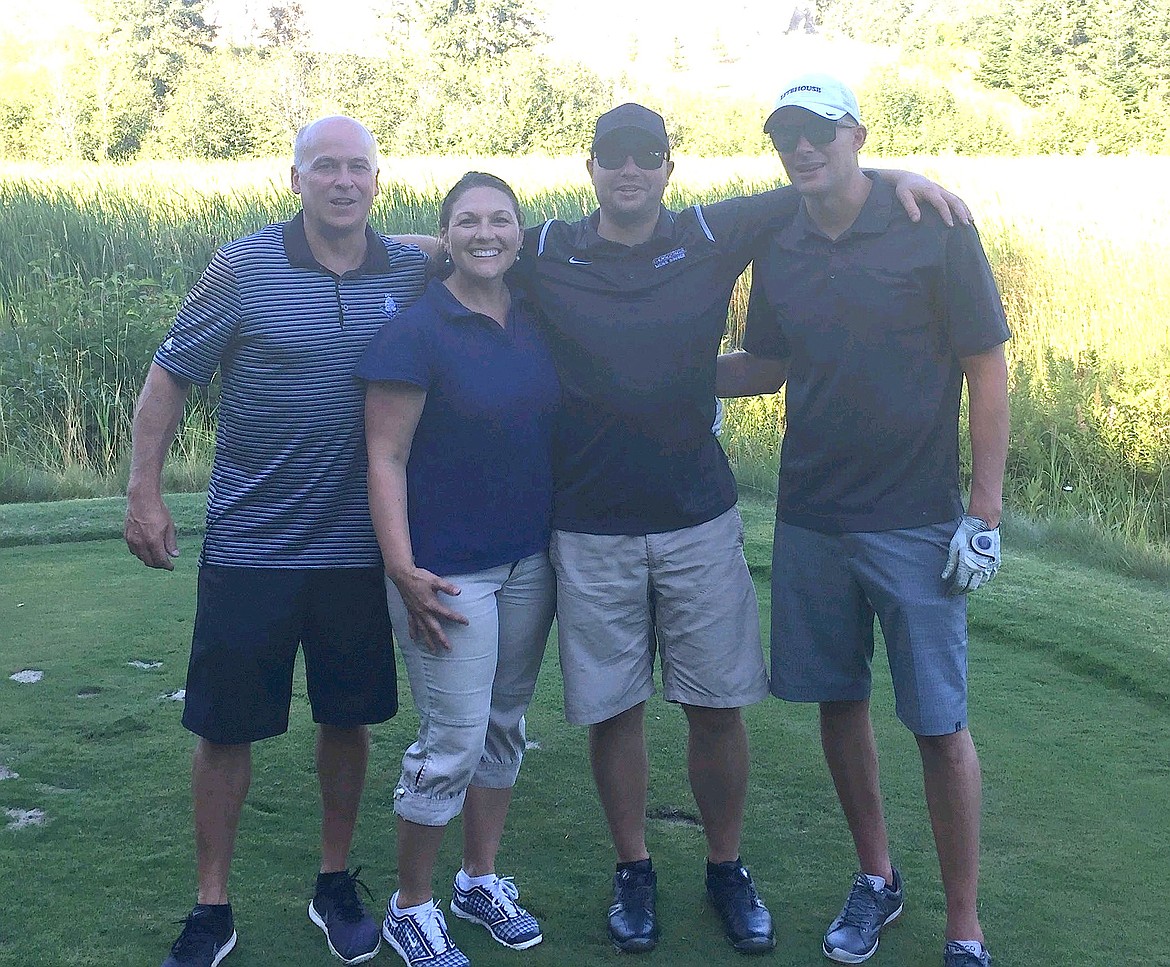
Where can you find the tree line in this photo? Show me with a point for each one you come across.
(151, 79)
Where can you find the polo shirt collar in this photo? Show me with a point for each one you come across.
(663, 229)
(299, 255)
(451, 309)
(873, 219)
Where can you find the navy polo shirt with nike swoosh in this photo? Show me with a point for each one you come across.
(634, 331)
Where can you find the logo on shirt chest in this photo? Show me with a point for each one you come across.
(677, 255)
(389, 307)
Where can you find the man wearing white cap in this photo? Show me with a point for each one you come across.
(875, 322)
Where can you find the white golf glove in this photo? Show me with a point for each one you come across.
(973, 557)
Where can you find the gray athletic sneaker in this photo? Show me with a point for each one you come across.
(422, 940)
(955, 955)
(496, 906)
(853, 936)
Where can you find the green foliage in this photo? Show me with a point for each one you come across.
(143, 79)
(908, 116)
(480, 32)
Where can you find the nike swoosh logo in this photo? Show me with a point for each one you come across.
(576, 261)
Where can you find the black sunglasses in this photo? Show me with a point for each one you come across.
(816, 130)
(612, 157)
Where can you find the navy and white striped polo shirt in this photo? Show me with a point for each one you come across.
(288, 486)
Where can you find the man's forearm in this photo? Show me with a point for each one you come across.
(989, 428)
(156, 420)
(741, 373)
(428, 243)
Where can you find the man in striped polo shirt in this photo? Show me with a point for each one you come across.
(289, 558)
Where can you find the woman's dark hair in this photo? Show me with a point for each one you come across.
(477, 179)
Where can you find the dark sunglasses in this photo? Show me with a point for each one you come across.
(613, 157)
(817, 131)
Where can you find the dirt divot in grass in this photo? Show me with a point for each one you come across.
(6, 773)
(674, 816)
(144, 665)
(117, 729)
(22, 818)
(89, 691)
(179, 695)
(27, 676)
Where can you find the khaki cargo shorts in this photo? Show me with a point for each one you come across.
(685, 595)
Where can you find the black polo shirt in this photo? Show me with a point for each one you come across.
(874, 325)
(634, 332)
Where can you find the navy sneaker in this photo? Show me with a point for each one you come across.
(853, 936)
(746, 920)
(208, 936)
(351, 932)
(633, 920)
(956, 955)
(422, 940)
(494, 906)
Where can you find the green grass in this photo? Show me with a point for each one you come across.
(1070, 679)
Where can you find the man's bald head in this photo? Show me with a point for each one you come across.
(309, 133)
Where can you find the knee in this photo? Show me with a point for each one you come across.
(951, 751)
(209, 751)
(713, 722)
(627, 723)
(845, 711)
(347, 734)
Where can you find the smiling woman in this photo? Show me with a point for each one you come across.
(460, 404)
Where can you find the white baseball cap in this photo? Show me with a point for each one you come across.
(819, 93)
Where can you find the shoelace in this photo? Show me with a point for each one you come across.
(346, 901)
(197, 933)
(504, 894)
(435, 929)
(637, 889)
(747, 888)
(743, 886)
(861, 905)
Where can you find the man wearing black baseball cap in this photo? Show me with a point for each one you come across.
(647, 542)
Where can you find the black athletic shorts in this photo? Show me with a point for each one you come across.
(249, 623)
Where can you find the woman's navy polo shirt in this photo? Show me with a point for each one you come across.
(479, 477)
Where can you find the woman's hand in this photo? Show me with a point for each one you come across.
(420, 590)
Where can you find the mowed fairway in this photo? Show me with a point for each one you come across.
(1071, 710)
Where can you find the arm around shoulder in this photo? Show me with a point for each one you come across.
(912, 188)
(741, 373)
(427, 243)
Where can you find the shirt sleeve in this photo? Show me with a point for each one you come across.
(975, 314)
(743, 221)
(205, 324)
(401, 352)
(763, 334)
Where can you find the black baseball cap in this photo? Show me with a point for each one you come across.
(630, 119)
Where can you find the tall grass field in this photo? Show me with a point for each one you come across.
(94, 262)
